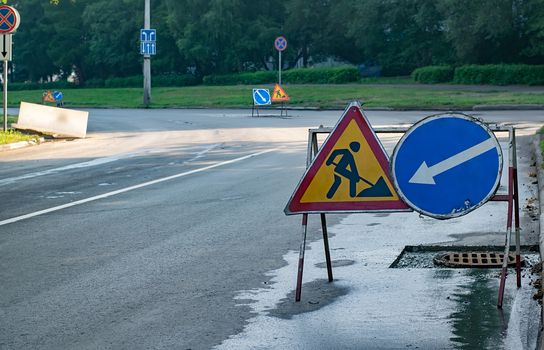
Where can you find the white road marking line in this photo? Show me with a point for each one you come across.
(95, 162)
(131, 188)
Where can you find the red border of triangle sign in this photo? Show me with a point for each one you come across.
(383, 197)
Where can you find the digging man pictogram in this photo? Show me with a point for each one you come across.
(346, 168)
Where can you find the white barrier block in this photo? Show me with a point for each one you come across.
(52, 120)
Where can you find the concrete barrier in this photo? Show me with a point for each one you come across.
(54, 121)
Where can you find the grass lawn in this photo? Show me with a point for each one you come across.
(400, 95)
(11, 136)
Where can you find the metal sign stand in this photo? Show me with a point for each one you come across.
(513, 214)
(512, 198)
(5, 94)
(283, 110)
(254, 108)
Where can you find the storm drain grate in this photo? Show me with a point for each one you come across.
(474, 259)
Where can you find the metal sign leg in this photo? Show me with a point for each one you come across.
(518, 233)
(298, 291)
(504, 270)
(326, 244)
(516, 208)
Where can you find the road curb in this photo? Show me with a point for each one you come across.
(21, 144)
(540, 177)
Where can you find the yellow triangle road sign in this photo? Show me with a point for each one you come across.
(350, 173)
(279, 95)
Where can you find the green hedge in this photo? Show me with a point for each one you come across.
(490, 74)
(337, 75)
(56, 85)
(500, 74)
(433, 74)
(133, 81)
(156, 81)
(253, 78)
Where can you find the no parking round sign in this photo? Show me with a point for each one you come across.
(9, 19)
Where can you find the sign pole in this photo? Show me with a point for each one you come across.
(147, 58)
(5, 97)
(516, 209)
(280, 44)
(279, 68)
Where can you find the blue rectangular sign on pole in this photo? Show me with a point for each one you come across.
(148, 35)
(148, 41)
(148, 48)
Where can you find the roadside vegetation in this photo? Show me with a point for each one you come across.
(324, 96)
(12, 136)
(205, 38)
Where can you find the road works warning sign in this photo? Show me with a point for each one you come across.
(279, 95)
(350, 173)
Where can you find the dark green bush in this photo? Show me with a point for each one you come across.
(133, 81)
(156, 81)
(433, 74)
(500, 74)
(174, 80)
(55, 85)
(337, 75)
(94, 83)
(246, 78)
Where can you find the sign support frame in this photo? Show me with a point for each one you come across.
(279, 67)
(512, 198)
(5, 95)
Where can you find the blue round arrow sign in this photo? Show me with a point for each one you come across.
(57, 95)
(261, 97)
(445, 166)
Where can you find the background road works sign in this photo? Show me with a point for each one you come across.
(279, 95)
(349, 174)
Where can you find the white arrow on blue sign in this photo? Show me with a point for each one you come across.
(447, 165)
(148, 48)
(148, 35)
(261, 97)
(57, 95)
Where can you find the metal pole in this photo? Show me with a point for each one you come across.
(279, 68)
(5, 95)
(298, 291)
(504, 271)
(516, 209)
(147, 58)
(326, 246)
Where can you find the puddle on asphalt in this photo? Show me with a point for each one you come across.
(317, 294)
(477, 323)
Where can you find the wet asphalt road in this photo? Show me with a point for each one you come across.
(152, 265)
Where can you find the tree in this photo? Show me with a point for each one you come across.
(306, 28)
(399, 34)
(533, 17)
(486, 31)
(30, 43)
(68, 46)
(112, 36)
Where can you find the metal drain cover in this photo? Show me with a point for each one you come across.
(474, 259)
